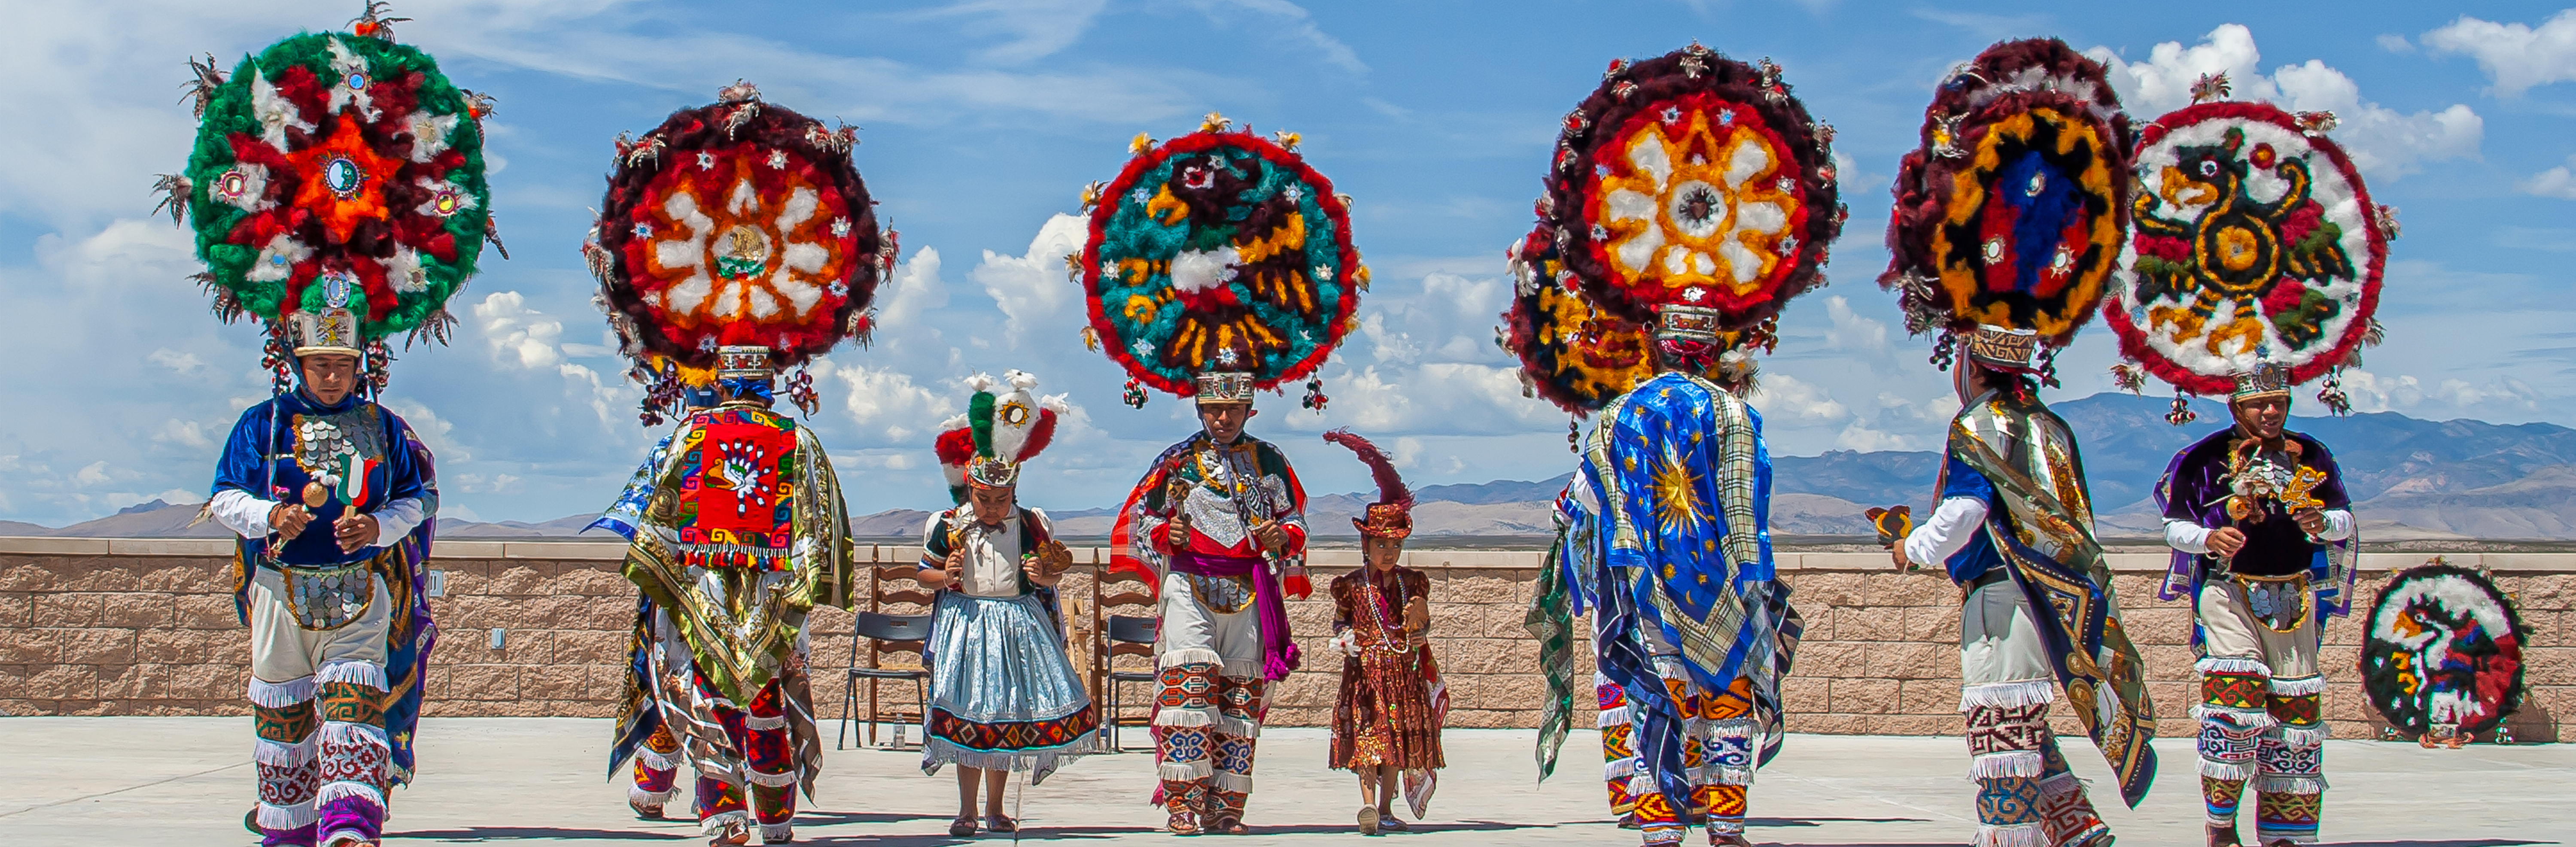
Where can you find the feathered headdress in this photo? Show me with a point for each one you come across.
(2010, 218)
(2257, 260)
(1218, 264)
(1693, 181)
(1572, 352)
(336, 192)
(1392, 515)
(739, 224)
(986, 445)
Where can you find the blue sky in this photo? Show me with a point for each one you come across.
(983, 119)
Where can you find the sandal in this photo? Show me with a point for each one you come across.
(1368, 820)
(1000, 823)
(733, 834)
(2224, 837)
(644, 812)
(1229, 824)
(1183, 822)
(962, 827)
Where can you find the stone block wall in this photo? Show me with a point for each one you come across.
(146, 627)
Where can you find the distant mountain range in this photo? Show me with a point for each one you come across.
(2411, 479)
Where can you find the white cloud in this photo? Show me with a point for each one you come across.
(518, 335)
(2559, 182)
(1032, 289)
(95, 473)
(2382, 141)
(2515, 56)
(1853, 333)
(913, 288)
(189, 434)
(1036, 28)
(1292, 21)
(177, 362)
(2395, 43)
(434, 432)
(887, 400)
(1857, 436)
(1788, 398)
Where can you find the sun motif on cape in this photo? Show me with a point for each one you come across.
(1676, 494)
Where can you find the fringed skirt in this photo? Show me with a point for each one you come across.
(1003, 695)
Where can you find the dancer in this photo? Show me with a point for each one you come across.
(1218, 265)
(2026, 144)
(336, 235)
(2257, 516)
(743, 530)
(1693, 633)
(1386, 721)
(1003, 694)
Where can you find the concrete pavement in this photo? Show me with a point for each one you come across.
(111, 782)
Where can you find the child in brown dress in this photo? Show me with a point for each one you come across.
(1387, 720)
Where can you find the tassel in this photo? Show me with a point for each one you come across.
(2181, 413)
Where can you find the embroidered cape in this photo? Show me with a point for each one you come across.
(2044, 532)
(1680, 542)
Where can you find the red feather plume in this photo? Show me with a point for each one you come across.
(1390, 485)
(956, 446)
(1039, 435)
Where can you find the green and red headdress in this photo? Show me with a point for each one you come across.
(2011, 216)
(1693, 181)
(1219, 263)
(2257, 249)
(985, 446)
(738, 224)
(336, 191)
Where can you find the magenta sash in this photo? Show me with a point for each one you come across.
(1278, 652)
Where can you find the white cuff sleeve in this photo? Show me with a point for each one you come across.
(2186, 536)
(237, 510)
(2338, 525)
(396, 519)
(1946, 532)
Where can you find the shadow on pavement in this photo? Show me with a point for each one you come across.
(525, 833)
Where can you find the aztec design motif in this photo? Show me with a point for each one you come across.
(1692, 178)
(735, 504)
(1012, 735)
(1573, 353)
(2443, 647)
(2008, 800)
(2256, 242)
(2005, 729)
(2234, 690)
(1219, 249)
(1187, 686)
(737, 223)
(2013, 211)
(337, 157)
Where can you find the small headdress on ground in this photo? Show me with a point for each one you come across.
(336, 193)
(737, 225)
(1218, 264)
(1392, 515)
(985, 446)
(1694, 185)
(2257, 248)
(2010, 218)
(1572, 352)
